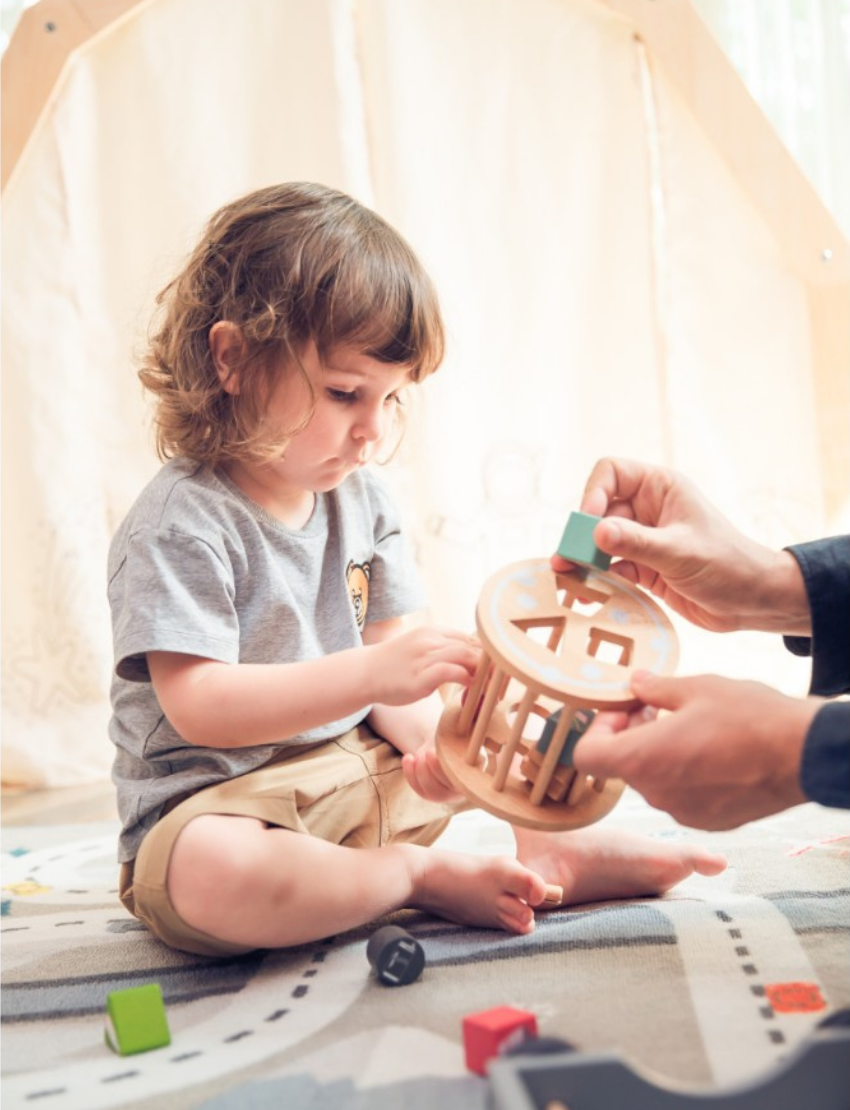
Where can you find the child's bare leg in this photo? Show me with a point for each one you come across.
(594, 864)
(247, 883)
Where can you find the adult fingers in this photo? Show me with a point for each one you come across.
(603, 747)
(617, 480)
(661, 693)
(626, 539)
(595, 501)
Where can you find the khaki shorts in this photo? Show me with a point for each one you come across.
(349, 791)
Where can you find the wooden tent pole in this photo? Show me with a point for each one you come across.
(810, 239)
(45, 37)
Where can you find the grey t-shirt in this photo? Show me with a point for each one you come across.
(199, 568)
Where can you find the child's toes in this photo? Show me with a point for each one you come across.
(529, 886)
(515, 916)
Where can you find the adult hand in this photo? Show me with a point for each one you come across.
(672, 541)
(725, 753)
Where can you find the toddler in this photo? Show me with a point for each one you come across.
(267, 684)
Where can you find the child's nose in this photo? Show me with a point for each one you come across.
(371, 424)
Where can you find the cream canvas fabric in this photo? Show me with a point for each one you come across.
(607, 285)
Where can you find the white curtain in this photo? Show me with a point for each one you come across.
(607, 286)
(794, 56)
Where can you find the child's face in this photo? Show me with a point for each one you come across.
(356, 400)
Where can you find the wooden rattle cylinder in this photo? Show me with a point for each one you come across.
(556, 647)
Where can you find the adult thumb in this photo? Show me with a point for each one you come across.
(626, 539)
(599, 751)
(659, 692)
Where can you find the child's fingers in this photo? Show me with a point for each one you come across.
(425, 775)
(448, 674)
(421, 778)
(464, 637)
(434, 782)
(437, 775)
(460, 648)
(410, 769)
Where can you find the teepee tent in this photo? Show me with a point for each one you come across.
(629, 262)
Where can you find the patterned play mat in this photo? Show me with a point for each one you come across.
(711, 984)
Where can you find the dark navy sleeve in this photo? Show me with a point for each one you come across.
(826, 571)
(825, 769)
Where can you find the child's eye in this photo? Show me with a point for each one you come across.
(394, 399)
(342, 396)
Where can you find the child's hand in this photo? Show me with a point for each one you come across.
(409, 667)
(425, 775)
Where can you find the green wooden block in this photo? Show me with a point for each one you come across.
(577, 542)
(136, 1020)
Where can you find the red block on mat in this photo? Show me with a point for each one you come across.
(490, 1032)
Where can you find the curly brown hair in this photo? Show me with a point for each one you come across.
(287, 264)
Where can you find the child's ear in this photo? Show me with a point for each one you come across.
(226, 346)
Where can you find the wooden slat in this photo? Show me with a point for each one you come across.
(43, 40)
(679, 41)
(681, 45)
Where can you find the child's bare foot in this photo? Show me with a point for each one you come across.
(496, 892)
(595, 864)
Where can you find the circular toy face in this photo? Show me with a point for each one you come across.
(577, 635)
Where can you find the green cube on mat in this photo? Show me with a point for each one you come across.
(577, 542)
(136, 1021)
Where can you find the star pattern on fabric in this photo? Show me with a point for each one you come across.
(27, 888)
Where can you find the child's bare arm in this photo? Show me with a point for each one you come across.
(223, 705)
(412, 729)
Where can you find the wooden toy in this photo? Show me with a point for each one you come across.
(397, 958)
(553, 643)
(489, 1032)
(577, 542)
(582, 721)
(136, 1020)
(816, 1074)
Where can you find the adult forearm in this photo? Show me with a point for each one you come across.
(779, 601)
